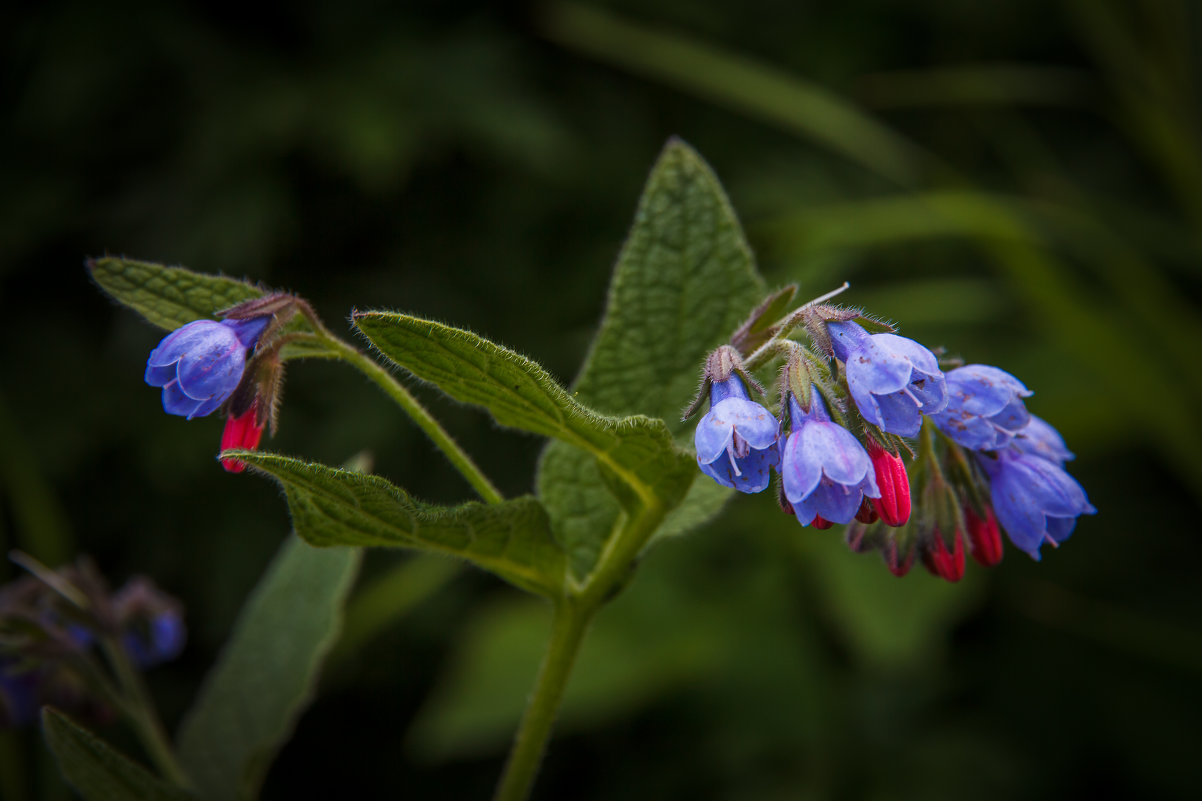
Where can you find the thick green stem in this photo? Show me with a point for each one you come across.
(567, 632)
(442, 440)
(142, 715)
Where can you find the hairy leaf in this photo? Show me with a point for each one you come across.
(339, 507)
(637, 451)
(266, 675)
(684, 282)
(168, 296)
(97, 770)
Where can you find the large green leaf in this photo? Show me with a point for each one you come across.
(267, 673)
(96, 769)
(168, 296)
(340, 507)
(637, 451)
(684, 281)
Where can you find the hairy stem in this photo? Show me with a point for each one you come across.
(425, 421)
(567, 632)
(142, 714)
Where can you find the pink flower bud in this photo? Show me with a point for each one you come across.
(937, 559)
(818, 522)
(898, 556)
(984, 536)
(244, 431)
(894, 504)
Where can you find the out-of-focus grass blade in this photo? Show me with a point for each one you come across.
(1099, 331)
(733, 81)
(977, 84)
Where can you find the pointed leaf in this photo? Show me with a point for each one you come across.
(168, 296)
(267, 672)
(97, 770)
(637, 451)
(684, 282)
(339, 507)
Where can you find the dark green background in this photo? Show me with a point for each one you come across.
(1034, 201)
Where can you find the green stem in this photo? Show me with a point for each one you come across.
(142, 714)
(567, 631)
(395, 390)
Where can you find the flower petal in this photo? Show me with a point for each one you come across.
(711, 438)
(899, 414)
(841, 456)
(176, 402)
(799, 473)
(752, 421)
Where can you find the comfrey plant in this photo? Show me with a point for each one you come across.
(621, 468)
(983, 459)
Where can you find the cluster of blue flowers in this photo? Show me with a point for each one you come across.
(983, 462)
(51, 625)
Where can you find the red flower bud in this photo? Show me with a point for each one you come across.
(244, 431)
(818, 522)
(866, 513)
(937, 559)
(898, 556)
(894, 504)
(984, 536)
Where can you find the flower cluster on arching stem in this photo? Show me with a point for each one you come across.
(231, 364)
(58, 631)
(855, 402)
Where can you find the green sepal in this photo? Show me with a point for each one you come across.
(330, 507)
(98, 771)
(761, 324)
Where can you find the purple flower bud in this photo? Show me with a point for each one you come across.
(200, 364)
(984, 408)
(736, 439)
(1040, 439)
(1034, 499)
(892, 379)
(160, 640)
(825, 470)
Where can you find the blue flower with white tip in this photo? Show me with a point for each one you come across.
(736, 439)
(893, 380)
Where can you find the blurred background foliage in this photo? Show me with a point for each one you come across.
(1019, 181)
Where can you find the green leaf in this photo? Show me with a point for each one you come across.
(636, 450)
(168, 296)
(684, 282)
(339, 507)
(266, 675)
(96, 769)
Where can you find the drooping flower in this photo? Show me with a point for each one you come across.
(243, 431)
(1034, 499)
(825, 471)
(157, 640)
(200, 364)
(1038, 438)
(892, 379)
(894, 504)
(984, 409)
(736, 438)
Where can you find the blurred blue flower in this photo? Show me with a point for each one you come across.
(741, 430)
(200, 364)
(892, 379)
(160, 640)
(984, 407)
(825, 470)
(19, 699)
(1034, 499)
